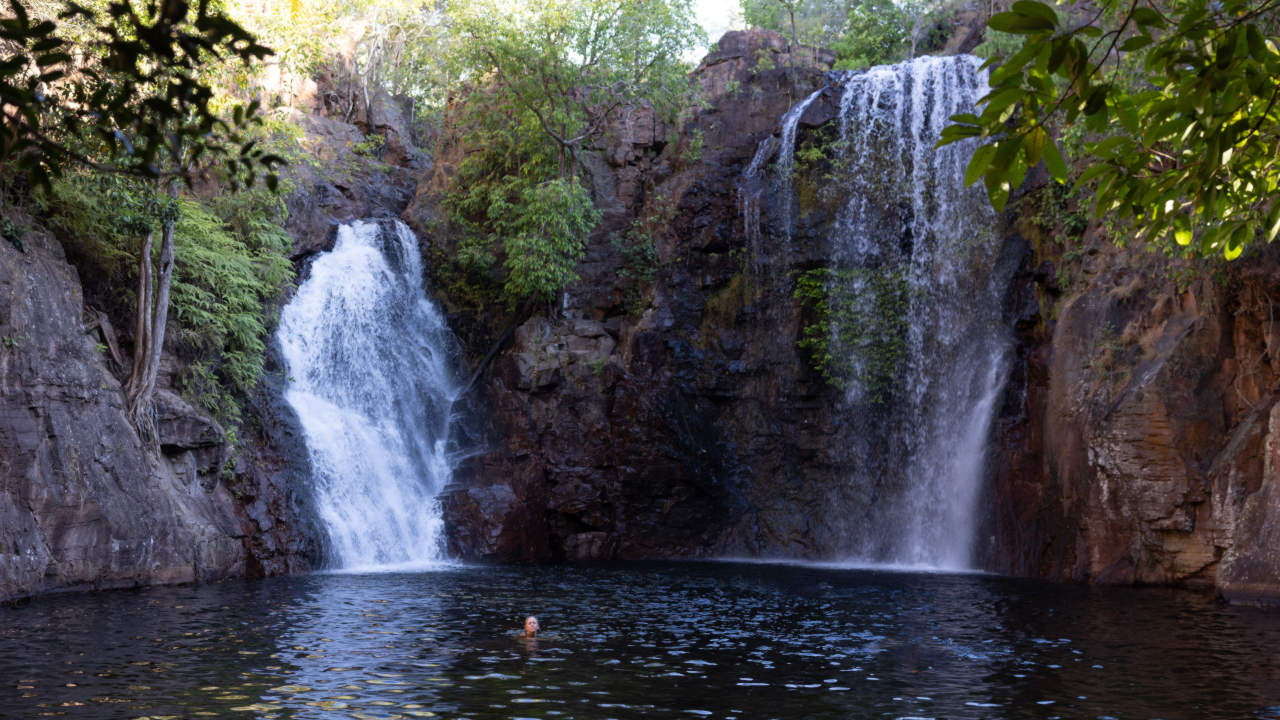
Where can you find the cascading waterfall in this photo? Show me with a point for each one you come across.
(914, 257)
(371, 367)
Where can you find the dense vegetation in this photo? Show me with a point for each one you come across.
(856, 332)
(135, 128)
(142, 151)
(1179, 103)
(861, 32)
(118, 91)
(545, 82)
(231, 259)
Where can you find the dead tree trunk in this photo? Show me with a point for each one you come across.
(153, 314)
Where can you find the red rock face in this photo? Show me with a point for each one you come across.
(1137, 450)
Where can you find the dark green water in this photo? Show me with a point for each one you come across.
(669, 640)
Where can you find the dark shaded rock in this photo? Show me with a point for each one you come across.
(341, 181)
(646, 431)
(271, 481)
(486, 523)
(82, 503)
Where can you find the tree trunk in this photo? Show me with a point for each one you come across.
(161, 312)
(153, 314)
(142, 322)
(795, 47)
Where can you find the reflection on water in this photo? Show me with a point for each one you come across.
(690, 640)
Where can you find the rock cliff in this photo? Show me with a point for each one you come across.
(83, 503)
(1138, 442)
(663, 408)
(672, 417)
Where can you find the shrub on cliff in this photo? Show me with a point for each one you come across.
(231, 260)
(545, 80)
(856, 329)
(129, 89)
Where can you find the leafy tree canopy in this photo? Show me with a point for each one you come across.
(570, 66)
(123, 88)
(861, 32)
(543, 82)
(1181, 100)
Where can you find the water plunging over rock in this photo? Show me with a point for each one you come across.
(751, 188)
(912, 289)
(371, 365)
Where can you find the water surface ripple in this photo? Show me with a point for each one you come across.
(654, 640)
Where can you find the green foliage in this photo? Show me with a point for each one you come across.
(14, 233)
(692, 151)
(817, 22)
(1055, 210)
(562, 70)
(857, 327)
(401, 46)
(1180, 98)
(545, 227)
(548, 79)
(639, 269)
(880, 32)
(996, 45)
(820, 173)
(122, 90)
(861, 32)
(371, 145)
(99, 217)
(231, 261)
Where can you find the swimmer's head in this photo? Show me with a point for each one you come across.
(530, 626)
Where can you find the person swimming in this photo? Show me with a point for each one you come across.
(530, 626)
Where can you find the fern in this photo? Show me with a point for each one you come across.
(231, 264)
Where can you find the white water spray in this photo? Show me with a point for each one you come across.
(908, 216)
(371, 366)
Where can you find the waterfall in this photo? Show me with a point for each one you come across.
(371, 376)
(752, 186)
(915, 276)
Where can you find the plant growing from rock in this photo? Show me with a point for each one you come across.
(546, 79)
(856, 330)
(127, 90)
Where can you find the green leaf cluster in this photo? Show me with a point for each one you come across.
(123, 88)
(857, 328)
(231, 261)
(1182, 103)
(545, 227)
(861, 32)
(640, 264)
(545, 82)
